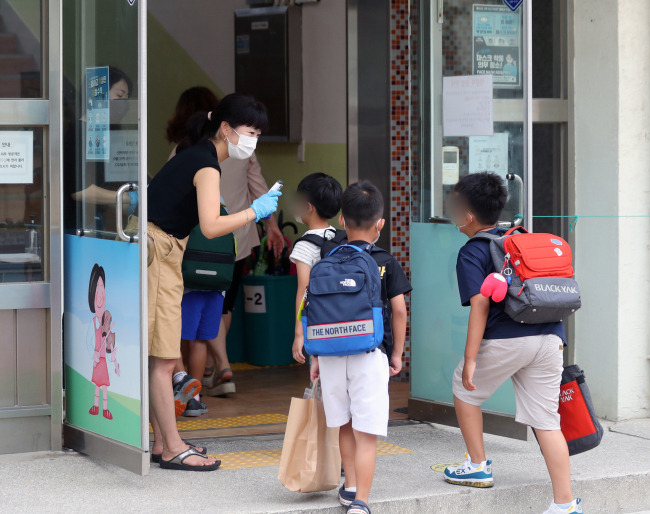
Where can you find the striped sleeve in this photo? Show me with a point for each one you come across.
(306, 252)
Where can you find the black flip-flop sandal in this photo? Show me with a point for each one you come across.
(177, 464)
(157, 457)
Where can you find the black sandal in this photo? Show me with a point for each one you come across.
(177, 464)
(157, 457)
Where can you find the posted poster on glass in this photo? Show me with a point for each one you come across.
(496, 40)
(97, 114)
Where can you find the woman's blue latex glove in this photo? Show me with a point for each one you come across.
(266, 204)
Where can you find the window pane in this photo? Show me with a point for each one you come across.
(20, 49)
(550, 179)
(100, 125)
(548, 48)
(22, 209)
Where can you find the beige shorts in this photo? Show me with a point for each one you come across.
(165, 294)
(533, 363)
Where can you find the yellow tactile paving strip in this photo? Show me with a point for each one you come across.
(261, 458)
(237, 421)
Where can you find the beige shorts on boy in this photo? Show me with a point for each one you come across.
(356, 387)
(165, 294)
(535, 365)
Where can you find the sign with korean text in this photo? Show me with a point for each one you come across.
(16, 157)
(467, 106)
(97, 141)
(496, 40)
(122, 165)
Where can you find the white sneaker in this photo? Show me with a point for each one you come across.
(574, 508)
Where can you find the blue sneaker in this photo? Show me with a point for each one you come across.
(468, 475)
(358, 507)
(346, 497)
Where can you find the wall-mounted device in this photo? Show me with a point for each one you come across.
(450, 165)
(268, 65)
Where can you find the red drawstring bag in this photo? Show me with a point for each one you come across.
(579, 424)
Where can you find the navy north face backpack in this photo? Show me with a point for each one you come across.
(343, 313)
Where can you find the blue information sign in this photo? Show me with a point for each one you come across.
(98, 118)
(497, 45)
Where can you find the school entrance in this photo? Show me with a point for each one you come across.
(87, 88)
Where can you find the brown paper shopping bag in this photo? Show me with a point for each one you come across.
(310, 460)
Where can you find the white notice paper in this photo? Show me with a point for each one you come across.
(16, 157)
(122, 165)
(467, 106)
(489, 153)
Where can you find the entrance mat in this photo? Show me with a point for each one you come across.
(237, 421)
(261, 458)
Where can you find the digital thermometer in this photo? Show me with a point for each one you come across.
(277, 186)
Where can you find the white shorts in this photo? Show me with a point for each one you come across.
(534, 364)
(356, 387)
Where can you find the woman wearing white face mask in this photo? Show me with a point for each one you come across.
(184, 193)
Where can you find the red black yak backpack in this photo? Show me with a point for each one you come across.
(537, 267)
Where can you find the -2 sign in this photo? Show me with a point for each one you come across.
(254, 299)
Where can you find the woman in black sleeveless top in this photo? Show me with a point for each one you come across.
(184, 193)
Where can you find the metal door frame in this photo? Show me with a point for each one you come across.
(44, 112)
(125, 456)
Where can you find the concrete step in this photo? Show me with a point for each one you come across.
(614, 478)
(8, 43)
(15, 63)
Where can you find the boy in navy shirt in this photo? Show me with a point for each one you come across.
(355, 388)
(498, 348)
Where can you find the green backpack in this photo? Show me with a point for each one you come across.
(209, 264)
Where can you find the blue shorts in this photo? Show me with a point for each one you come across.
(201, 315)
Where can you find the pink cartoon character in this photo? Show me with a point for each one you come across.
(496, 286)
(102, 326)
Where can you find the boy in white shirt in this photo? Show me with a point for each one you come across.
(318, 200)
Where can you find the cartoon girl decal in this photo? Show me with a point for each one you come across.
(104, 337)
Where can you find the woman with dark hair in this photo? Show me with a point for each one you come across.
(184, 193)
(241, 182)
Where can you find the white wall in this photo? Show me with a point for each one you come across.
(634, 199)
(612, 156)
(205, 30)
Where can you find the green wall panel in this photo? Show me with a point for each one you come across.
(438, 321)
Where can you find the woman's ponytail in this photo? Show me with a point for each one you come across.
(235, 109)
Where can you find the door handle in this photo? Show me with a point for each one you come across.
(519, 216)
(119, 203)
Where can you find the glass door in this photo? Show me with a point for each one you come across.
(104, 170)
(474, 117)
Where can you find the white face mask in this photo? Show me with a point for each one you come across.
(471, 218)
(298, 219)
(244, 149)
(378, 232)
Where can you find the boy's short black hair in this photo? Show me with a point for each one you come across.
(323, 192)
(362, 205)
(485, 194)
